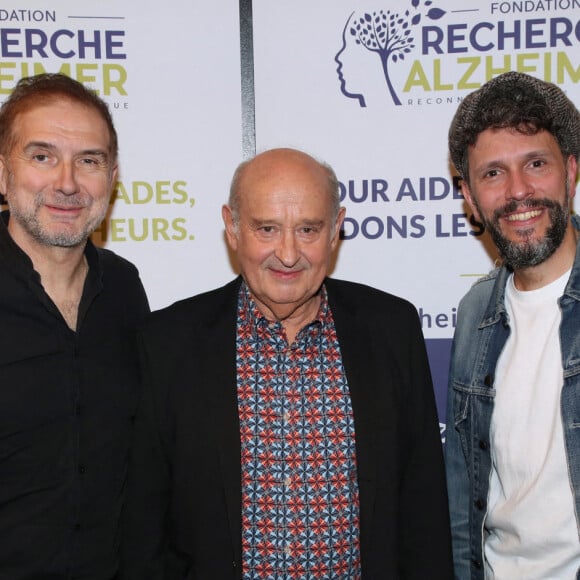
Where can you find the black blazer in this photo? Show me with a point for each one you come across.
(183, 513)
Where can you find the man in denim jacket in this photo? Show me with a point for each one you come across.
(513, 433)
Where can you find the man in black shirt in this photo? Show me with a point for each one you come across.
(69, 378)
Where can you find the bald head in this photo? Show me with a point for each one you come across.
(283, 225)
(283, 162)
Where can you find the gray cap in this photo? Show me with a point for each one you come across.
(519, 101)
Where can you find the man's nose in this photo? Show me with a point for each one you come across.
(519, 186)
(287, 249)
(66, 178)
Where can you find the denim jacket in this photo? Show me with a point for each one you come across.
(481, 333)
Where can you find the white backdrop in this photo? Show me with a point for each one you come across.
(171, 75)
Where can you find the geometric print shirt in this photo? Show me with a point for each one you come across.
(300, 499)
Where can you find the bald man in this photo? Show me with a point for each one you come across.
(289, 428)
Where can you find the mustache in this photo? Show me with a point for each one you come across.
(275, 264)
(64, 201)
(527, 204)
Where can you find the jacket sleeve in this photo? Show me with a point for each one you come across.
(458, 487)
(423, 514)
(403, 501)
(147, 501)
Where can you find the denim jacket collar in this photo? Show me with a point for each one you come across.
(572, 289)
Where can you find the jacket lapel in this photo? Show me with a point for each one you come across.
(359, 367)
(220, 371)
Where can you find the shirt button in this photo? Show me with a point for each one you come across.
(76, 527)
(287, 550)
(286, 416)
(287, 482)
(82, 469)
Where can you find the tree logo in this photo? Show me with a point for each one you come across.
(386, 33)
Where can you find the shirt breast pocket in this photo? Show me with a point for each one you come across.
(472, 407)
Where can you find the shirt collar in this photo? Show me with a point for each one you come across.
(15, 258)
(20, 264)
(249, 311)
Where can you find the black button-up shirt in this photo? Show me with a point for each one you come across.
(67, 401)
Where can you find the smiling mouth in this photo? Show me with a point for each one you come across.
(64, 214)
(286, 272)
(68, 207)
(524, 216)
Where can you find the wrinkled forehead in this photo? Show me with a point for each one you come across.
(285, 201)
(47, 105)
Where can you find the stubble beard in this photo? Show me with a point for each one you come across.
(30, 222)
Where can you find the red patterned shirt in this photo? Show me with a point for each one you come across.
(300, 501)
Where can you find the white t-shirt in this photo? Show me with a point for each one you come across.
(530, 528)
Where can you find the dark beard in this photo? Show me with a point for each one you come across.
(528, 253)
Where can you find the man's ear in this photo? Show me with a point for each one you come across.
(4, 175)
(231, 228)
(113, 181)
(466, 192)
(337, 227)
(114, 174)
(572, 169)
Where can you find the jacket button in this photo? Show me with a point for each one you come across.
(477, 564)
(488, 381)
(483, 445)
(479, 504)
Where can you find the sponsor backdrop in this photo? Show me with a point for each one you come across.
(369, 86)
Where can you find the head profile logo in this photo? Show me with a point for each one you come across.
(386, 33)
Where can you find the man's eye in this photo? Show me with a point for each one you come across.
(41, 157)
